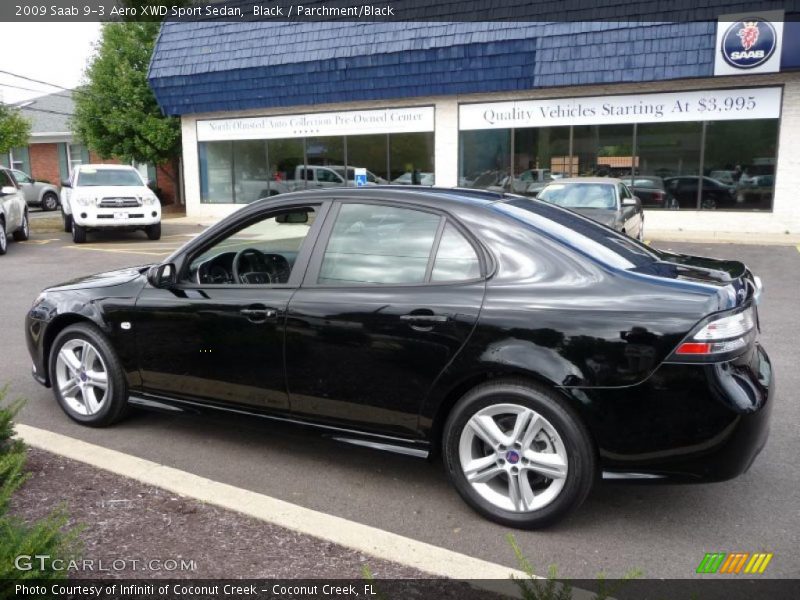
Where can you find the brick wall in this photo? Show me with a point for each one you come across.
(44, 162)
(96, 160)
(164, 180)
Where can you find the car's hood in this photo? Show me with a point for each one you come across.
(604, 216)
(107, 279)
(113, 191)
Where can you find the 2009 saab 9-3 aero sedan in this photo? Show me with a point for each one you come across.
(534, 347)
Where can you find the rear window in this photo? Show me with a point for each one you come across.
(601, 243)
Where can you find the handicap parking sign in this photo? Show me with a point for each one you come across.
(361, 177)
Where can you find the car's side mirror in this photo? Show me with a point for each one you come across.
(162, 276)
(7, 190)
(629, 201)
(66, 184)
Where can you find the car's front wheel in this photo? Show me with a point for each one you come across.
(24, 232)
(517, 455)
(67, 221)
(87, 377)
(153, 231)
(78, 233)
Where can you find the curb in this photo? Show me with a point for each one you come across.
(363, 538)
(718, 237)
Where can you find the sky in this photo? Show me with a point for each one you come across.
(53, 52)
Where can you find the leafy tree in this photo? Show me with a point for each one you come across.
(116, 113)
(14, 129)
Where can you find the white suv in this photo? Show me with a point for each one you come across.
(108, 197)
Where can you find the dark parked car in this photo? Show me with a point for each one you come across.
(650, 190)
(531, 346)
(602, 199)
(715, 193)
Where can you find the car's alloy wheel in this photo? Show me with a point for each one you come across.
(3, 238)
(517, 454)
(24, 232)
(49, 202)
(87, 378)
(513, 457)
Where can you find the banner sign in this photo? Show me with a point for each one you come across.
(353, 122)
(706, 105)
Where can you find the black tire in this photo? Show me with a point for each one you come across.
(3, 238)
(153, 231)
(582, 462)
(78, 233)
(49, 201)
(115, 406)
(67, 221)
(24, 232)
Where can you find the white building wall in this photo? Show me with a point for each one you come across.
(785, 216)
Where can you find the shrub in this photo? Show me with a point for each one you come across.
(49, 536)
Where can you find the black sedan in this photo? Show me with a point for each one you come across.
(533, 348)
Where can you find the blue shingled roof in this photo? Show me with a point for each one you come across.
(221, 66)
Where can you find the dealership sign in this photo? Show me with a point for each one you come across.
(352, 122)
(670, 107)
(749, 43)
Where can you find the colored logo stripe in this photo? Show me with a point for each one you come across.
(758, 563)
(735, 562)
(711, 562)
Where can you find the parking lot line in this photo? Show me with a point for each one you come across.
(119, 250)
(363, 538)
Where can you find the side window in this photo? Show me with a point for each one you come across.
(327, 176)
(455, 259)
(5, 180)
(373, 244)
(21, 177)
(262, 253)
(623, 192)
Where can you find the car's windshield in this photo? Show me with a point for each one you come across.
(95, 177)
(579, 195)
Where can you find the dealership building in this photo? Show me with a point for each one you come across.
(709, 111)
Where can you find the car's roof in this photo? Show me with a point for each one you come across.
(608, 180)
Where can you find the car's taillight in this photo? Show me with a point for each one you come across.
(720, 335)
(658, 197)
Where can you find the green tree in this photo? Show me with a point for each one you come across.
(116, 114)
(14, 128)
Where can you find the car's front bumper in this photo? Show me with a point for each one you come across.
(687, 422)
(102, 218)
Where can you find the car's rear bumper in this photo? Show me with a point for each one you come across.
(692, 423)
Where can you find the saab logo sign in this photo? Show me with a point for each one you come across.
(749, 43)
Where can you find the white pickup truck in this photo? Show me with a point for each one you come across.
(108, 197)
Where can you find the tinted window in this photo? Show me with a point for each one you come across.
(455, 259)
(373, 244)
(5, 179)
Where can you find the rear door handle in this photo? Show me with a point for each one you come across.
(258, 315)
(425, 318)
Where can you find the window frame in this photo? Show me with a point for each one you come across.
(311, 279)
(298, 269)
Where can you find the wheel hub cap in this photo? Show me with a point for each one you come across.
(512, 457)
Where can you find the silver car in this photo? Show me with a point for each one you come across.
(36, 193)
(13, 211)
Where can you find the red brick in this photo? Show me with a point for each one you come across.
(44, 162)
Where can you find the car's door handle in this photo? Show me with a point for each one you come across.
(258, 315)
(425, 318)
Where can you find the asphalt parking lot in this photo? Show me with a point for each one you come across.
(663, 530)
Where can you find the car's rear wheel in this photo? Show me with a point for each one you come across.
(24, 232)
(517, 455)
(3, 238)
(87, 377)
(67, 221)
(78, 233)
(153, 231)
(49, 201)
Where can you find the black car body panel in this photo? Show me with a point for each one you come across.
(561, 300)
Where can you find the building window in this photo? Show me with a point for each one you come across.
(77, 154)
(705, 165)
(239, 172)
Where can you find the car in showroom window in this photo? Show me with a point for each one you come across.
(518, 340)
